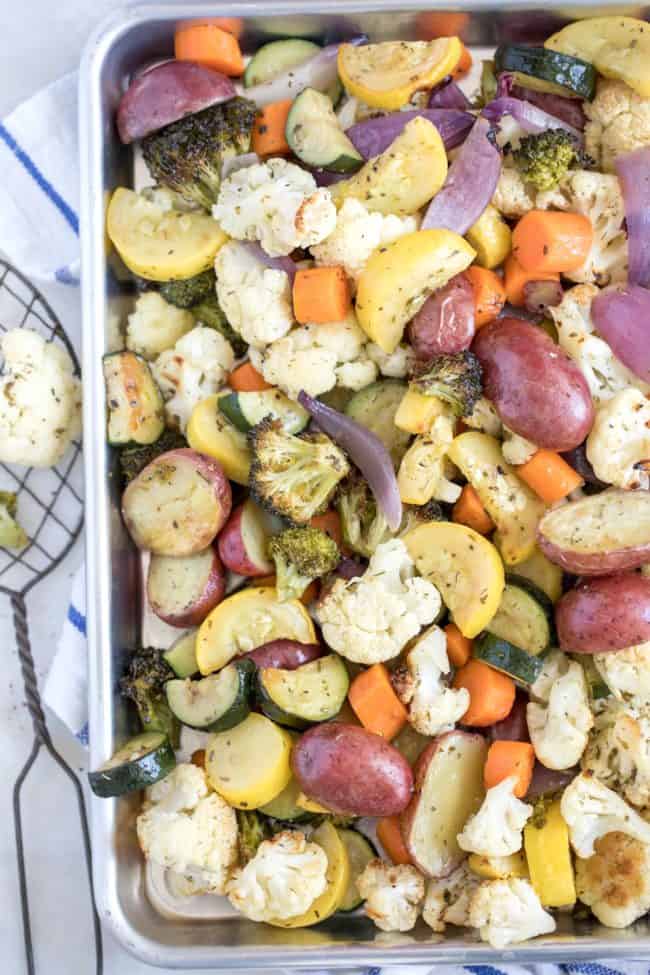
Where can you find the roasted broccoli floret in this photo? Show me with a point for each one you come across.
(417, 514)
(364, 527)
(545, 158)
(301, 555)
(208, 312)
(135, 459)
(187, 292)
(144, 684)
(253, 830)
(293, 476)
(11, 533)
(188, 155)
(454, 378)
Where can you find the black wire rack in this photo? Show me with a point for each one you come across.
(50, 508)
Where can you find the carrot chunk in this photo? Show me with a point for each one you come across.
(507, 759)
(321, 294)
(549, 476)
(211, 46)
(551, 240)
(376, 704)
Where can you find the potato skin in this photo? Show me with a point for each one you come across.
(538, 391)
(604, 614)
(445, 323)
(206, 596)
(352, 771)
(284, 654)
(234, 552)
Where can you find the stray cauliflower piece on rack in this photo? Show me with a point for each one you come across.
(558, 714)
(615, 881)
(434, 707)
(508, 912)
(372, 617)
(276, 203)
(448, 899)
(185, 827)
(282, 880)
(604, 373)
(40, 400)
(196, 367)
(155, 326)
(618, 753)
(256, 300)
(618, 446)
(496, 830)
(393, 895)
(591, 810)
(627, 673)
(618, 121)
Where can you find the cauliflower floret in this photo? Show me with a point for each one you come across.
(604, 373)
(317, 357)
(496, 830)
(434, 707)
(618, 121)
(627, 673)
(183, 826)
(597, 196)
(196, 367)
(357, 234)
(559, 717)
(516, 449)
(618, 445)
(618, 753)
(448, 899)
(591, 810)
(256, 300)
(397, 365)
(512, 197)
(283, 879)
(393, 895)
(277, 203)
(485, 418)
(424, 469)
(371, 618)
(508, 912)
(615, 881)
(154, 325)
(40, 400)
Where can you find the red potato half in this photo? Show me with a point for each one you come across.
(598, 535)
(538, 391)
(604, 614)
(448, 790)
(284, 654)
(182, 591)
(243, 542)
(177, 504)
(352, 771)
(445, 323)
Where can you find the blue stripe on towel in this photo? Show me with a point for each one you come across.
(77, 619)
(483, 970)
(30, 166)
(65, 276)
(589, 968)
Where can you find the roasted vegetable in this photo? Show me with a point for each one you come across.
(545, 158)
(456, 379)
(187, 292)
(12, 534)
(144, 684)
(135, 459)
(364, 527)
(301, 555)
(293, 476)
(208, 312)
(418, 514)
(253, 830)
(188, 155)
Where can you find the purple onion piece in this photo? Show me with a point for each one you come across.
(470, 183)
(515, 726)
(531, 118)
(622, 317)
(448, 95)
(540, 295)
(324, 178)
(275, 263)
(565, 108)
(633, 171)
(366, 451)
(546, 781)
(374, 135)
(578, 460)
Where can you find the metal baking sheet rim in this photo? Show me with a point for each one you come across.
(94, 133)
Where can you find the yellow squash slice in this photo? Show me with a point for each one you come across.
(209, 432)
(249, 764)
(546, 842)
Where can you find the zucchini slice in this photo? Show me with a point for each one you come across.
(360, 853)
(285, 808)
(181, 656)
(544, 70)
(141, 762)
(277, 56)
(311, 693)
(508, 658)
(246, 410)
(315, 136)
(524, 616)
(136, 413)
(375, 407)
(214, 703)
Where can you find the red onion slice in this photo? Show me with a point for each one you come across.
(448, 95)
(366, 451)
(622, 318)
(531, 118)
(376, 134)
(540, 295)
(546, 781)
(633, 170)
(285, 264)
(567, 109)
(470, 184)
(319, 72)
(515, 726)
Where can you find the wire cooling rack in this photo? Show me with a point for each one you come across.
(50, 509)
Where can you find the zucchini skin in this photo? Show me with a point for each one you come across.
(508, 658)
(138, 773)
(273, 711)
(578, 76)
(240, 707)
